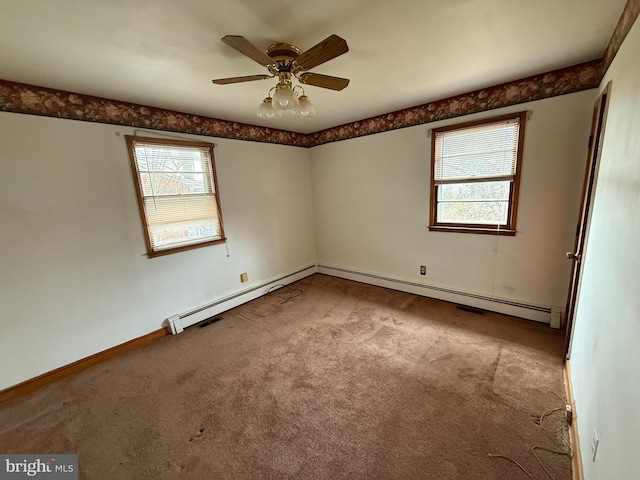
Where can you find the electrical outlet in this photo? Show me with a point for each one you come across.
(595, 441)
(568, 411)
(423, 270)
(244, 277)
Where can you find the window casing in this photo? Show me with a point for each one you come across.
(177, 194)
(475, 175)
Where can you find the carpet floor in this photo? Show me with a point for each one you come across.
(345, 381)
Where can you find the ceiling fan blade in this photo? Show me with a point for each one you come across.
(248, 78)
(248, 49)
(324, 81)
(331, 47)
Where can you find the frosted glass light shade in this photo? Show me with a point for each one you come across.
(266, 110)
(305, 108)
(284, 98)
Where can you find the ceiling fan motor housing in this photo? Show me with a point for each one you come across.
(283, 55)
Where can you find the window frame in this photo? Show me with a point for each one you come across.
(514, 188)
(130, 141)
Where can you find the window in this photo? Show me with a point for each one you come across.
(177, 194)
(475, 175)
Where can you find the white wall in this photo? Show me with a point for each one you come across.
(74, 277)
(371, 201)
(604, 353)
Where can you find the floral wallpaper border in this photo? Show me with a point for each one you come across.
(30, 99)
(629, 15)
(558, 82)
(34, 100)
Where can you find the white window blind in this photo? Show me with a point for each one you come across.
(477, 153)
(177, 188)
(474, 172)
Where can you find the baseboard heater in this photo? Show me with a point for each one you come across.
(339, 272)
(178, 323)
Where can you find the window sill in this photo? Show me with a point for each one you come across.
(168, 251)
(465, 229)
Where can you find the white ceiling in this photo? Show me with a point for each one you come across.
(164, 53)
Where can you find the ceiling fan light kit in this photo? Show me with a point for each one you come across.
(284, 97)
(287, 63)
(266, 110)
(305, 107)
(300, 107)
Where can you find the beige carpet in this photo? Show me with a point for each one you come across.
(346, 381)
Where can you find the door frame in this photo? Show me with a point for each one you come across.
(576, 256)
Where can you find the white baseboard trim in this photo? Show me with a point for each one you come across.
(223, 304)
(536, 313)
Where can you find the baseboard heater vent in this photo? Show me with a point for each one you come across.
(208, 321)
(538, 308)
(466, 308)
(210, 313)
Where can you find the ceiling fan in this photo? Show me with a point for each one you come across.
(286, 62)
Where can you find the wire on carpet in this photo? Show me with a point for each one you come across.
(533, 449)
(513, 461)
(539, 419)
(288, 295)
